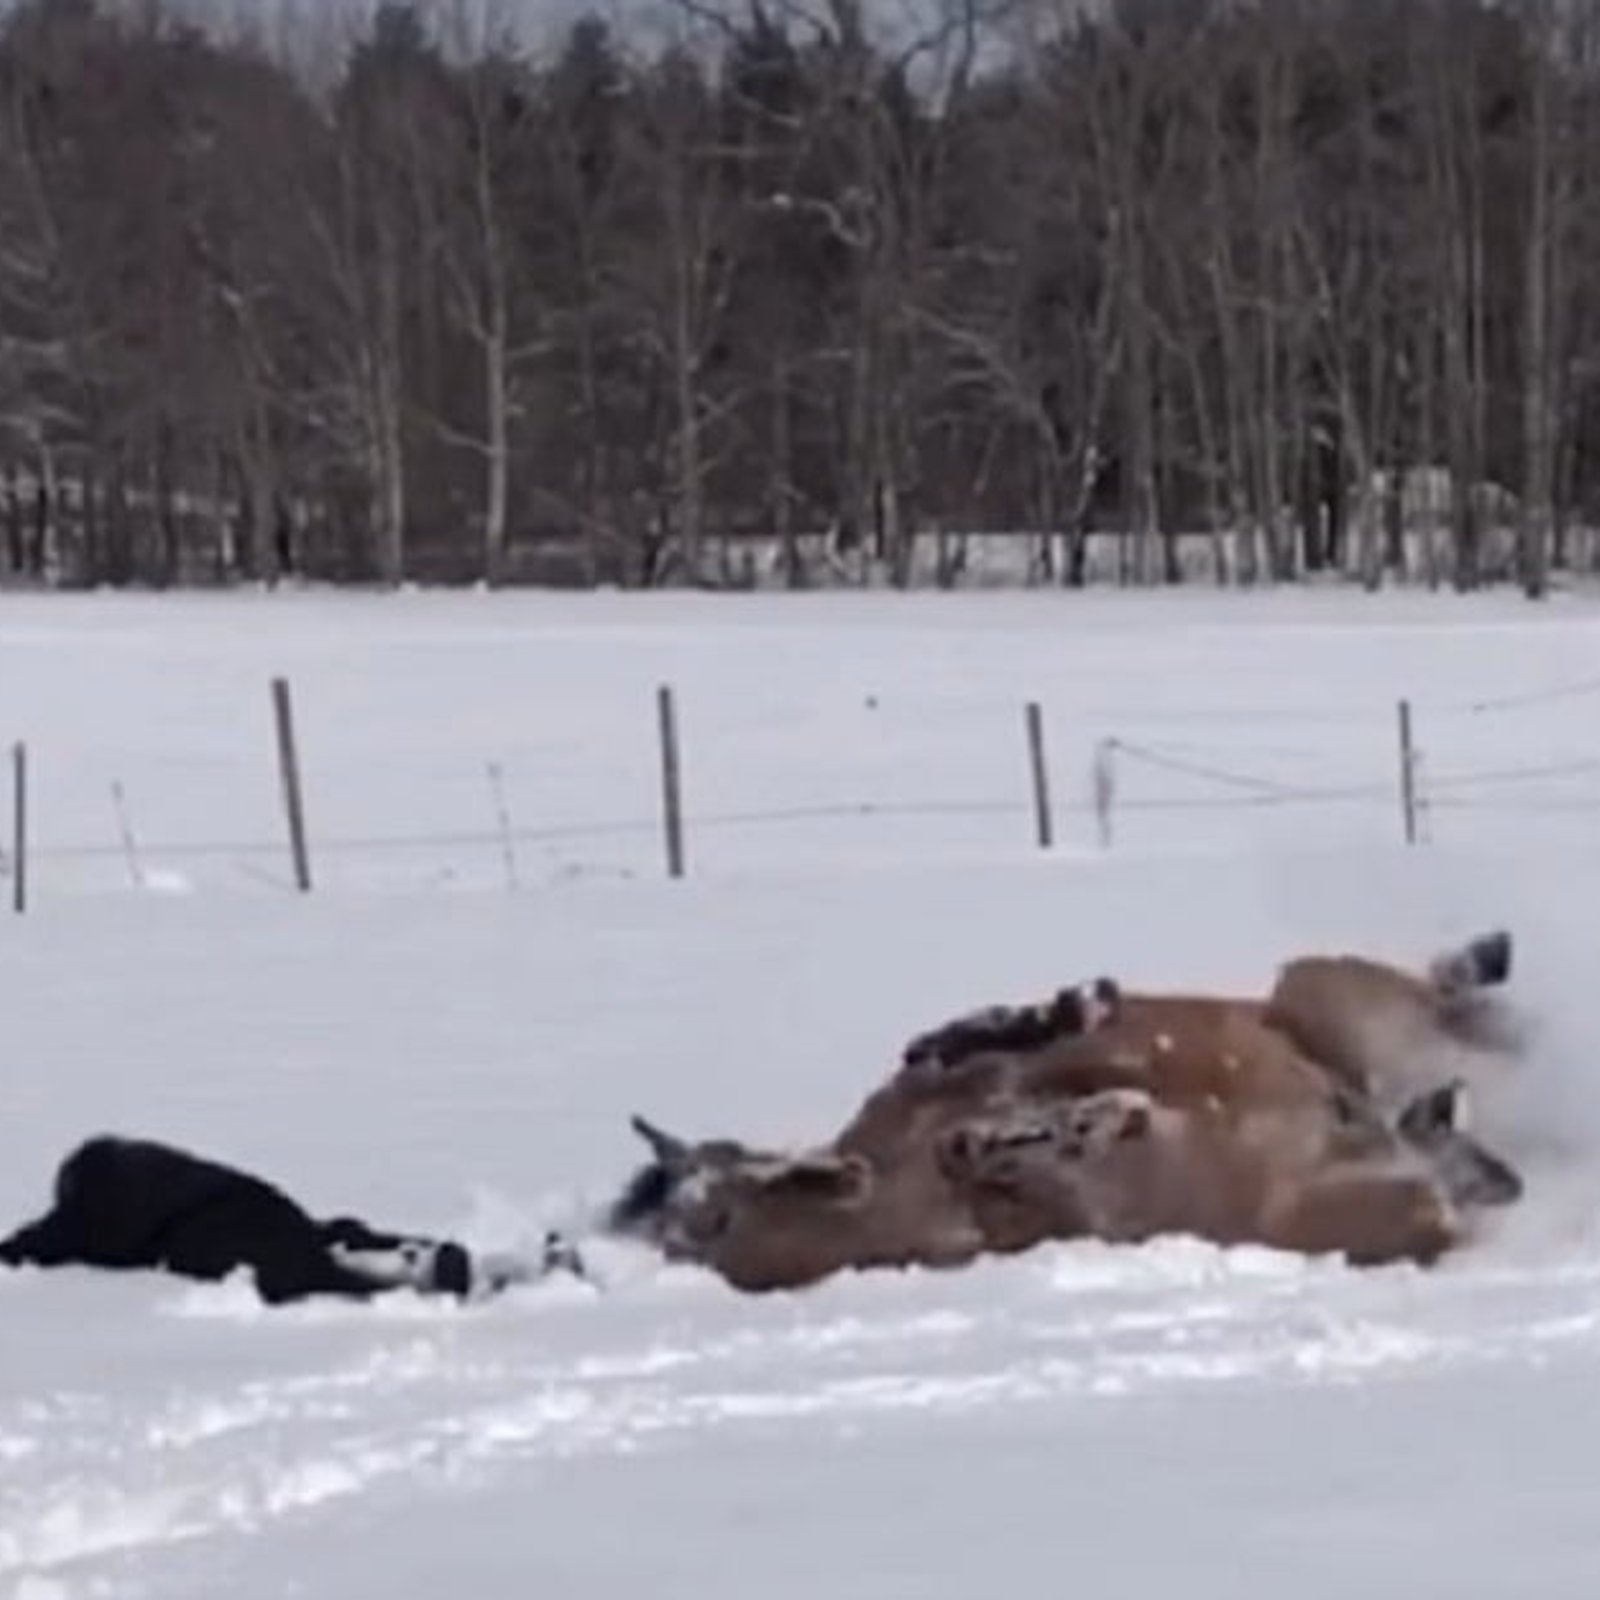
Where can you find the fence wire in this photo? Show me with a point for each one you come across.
(1154, 778)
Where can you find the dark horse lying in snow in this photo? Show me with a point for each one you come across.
(135, 1203)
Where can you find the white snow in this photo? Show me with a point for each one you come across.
(421, 1042)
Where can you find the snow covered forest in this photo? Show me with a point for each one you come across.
(1146, 290)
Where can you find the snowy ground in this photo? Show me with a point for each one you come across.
(417, 1041)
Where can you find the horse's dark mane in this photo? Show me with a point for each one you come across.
(646, 1195)
(1009, 1028)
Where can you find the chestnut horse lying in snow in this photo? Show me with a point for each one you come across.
(1328, 1117)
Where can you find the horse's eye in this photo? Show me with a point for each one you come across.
(710, 1222)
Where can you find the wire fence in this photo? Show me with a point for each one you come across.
(964, 778)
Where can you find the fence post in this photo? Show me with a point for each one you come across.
(289, 771)
(130, 846)
(19, 827)
(671, 782)
(1408, 773)
(1041, 776)
(1105, 788)
(508, 849)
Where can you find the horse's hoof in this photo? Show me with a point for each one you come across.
(1490, 957)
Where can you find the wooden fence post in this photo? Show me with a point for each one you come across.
(1408, 773)
(1104, 785)
(130, 846)
(19, 827)
(671, 781)
(508, 847)
(289, 771)
(1041, 775)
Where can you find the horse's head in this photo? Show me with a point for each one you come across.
(760, 1218)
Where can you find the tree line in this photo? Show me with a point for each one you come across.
(430, 299)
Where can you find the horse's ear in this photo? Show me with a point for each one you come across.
(668, 1150)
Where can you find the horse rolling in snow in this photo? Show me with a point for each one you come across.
(126, 1204)
(1145, 1114)
(1379, 1040)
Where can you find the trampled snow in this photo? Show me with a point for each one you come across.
(450, 1031)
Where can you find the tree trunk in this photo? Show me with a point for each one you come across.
(691, 487)
(169, 556)
(385, 420)
(1538, 410)
(1140, 501)
(260, 497)
(780, 478)
(497, 460)
(390, 493)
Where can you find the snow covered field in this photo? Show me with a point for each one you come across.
(418, 1041)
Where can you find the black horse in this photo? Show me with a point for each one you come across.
(124, 1203)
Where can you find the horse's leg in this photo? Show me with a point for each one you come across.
(53, 1240)
(300, 1267)
(1435, 1123)
(1463, 981)
(441, 1266)
(1481, 963)
(397, 1260)
(1371, 1217)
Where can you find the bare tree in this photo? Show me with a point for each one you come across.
(493, 298)
(405, 300)
(1549, 151)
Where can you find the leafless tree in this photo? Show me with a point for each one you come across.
(407, 299)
